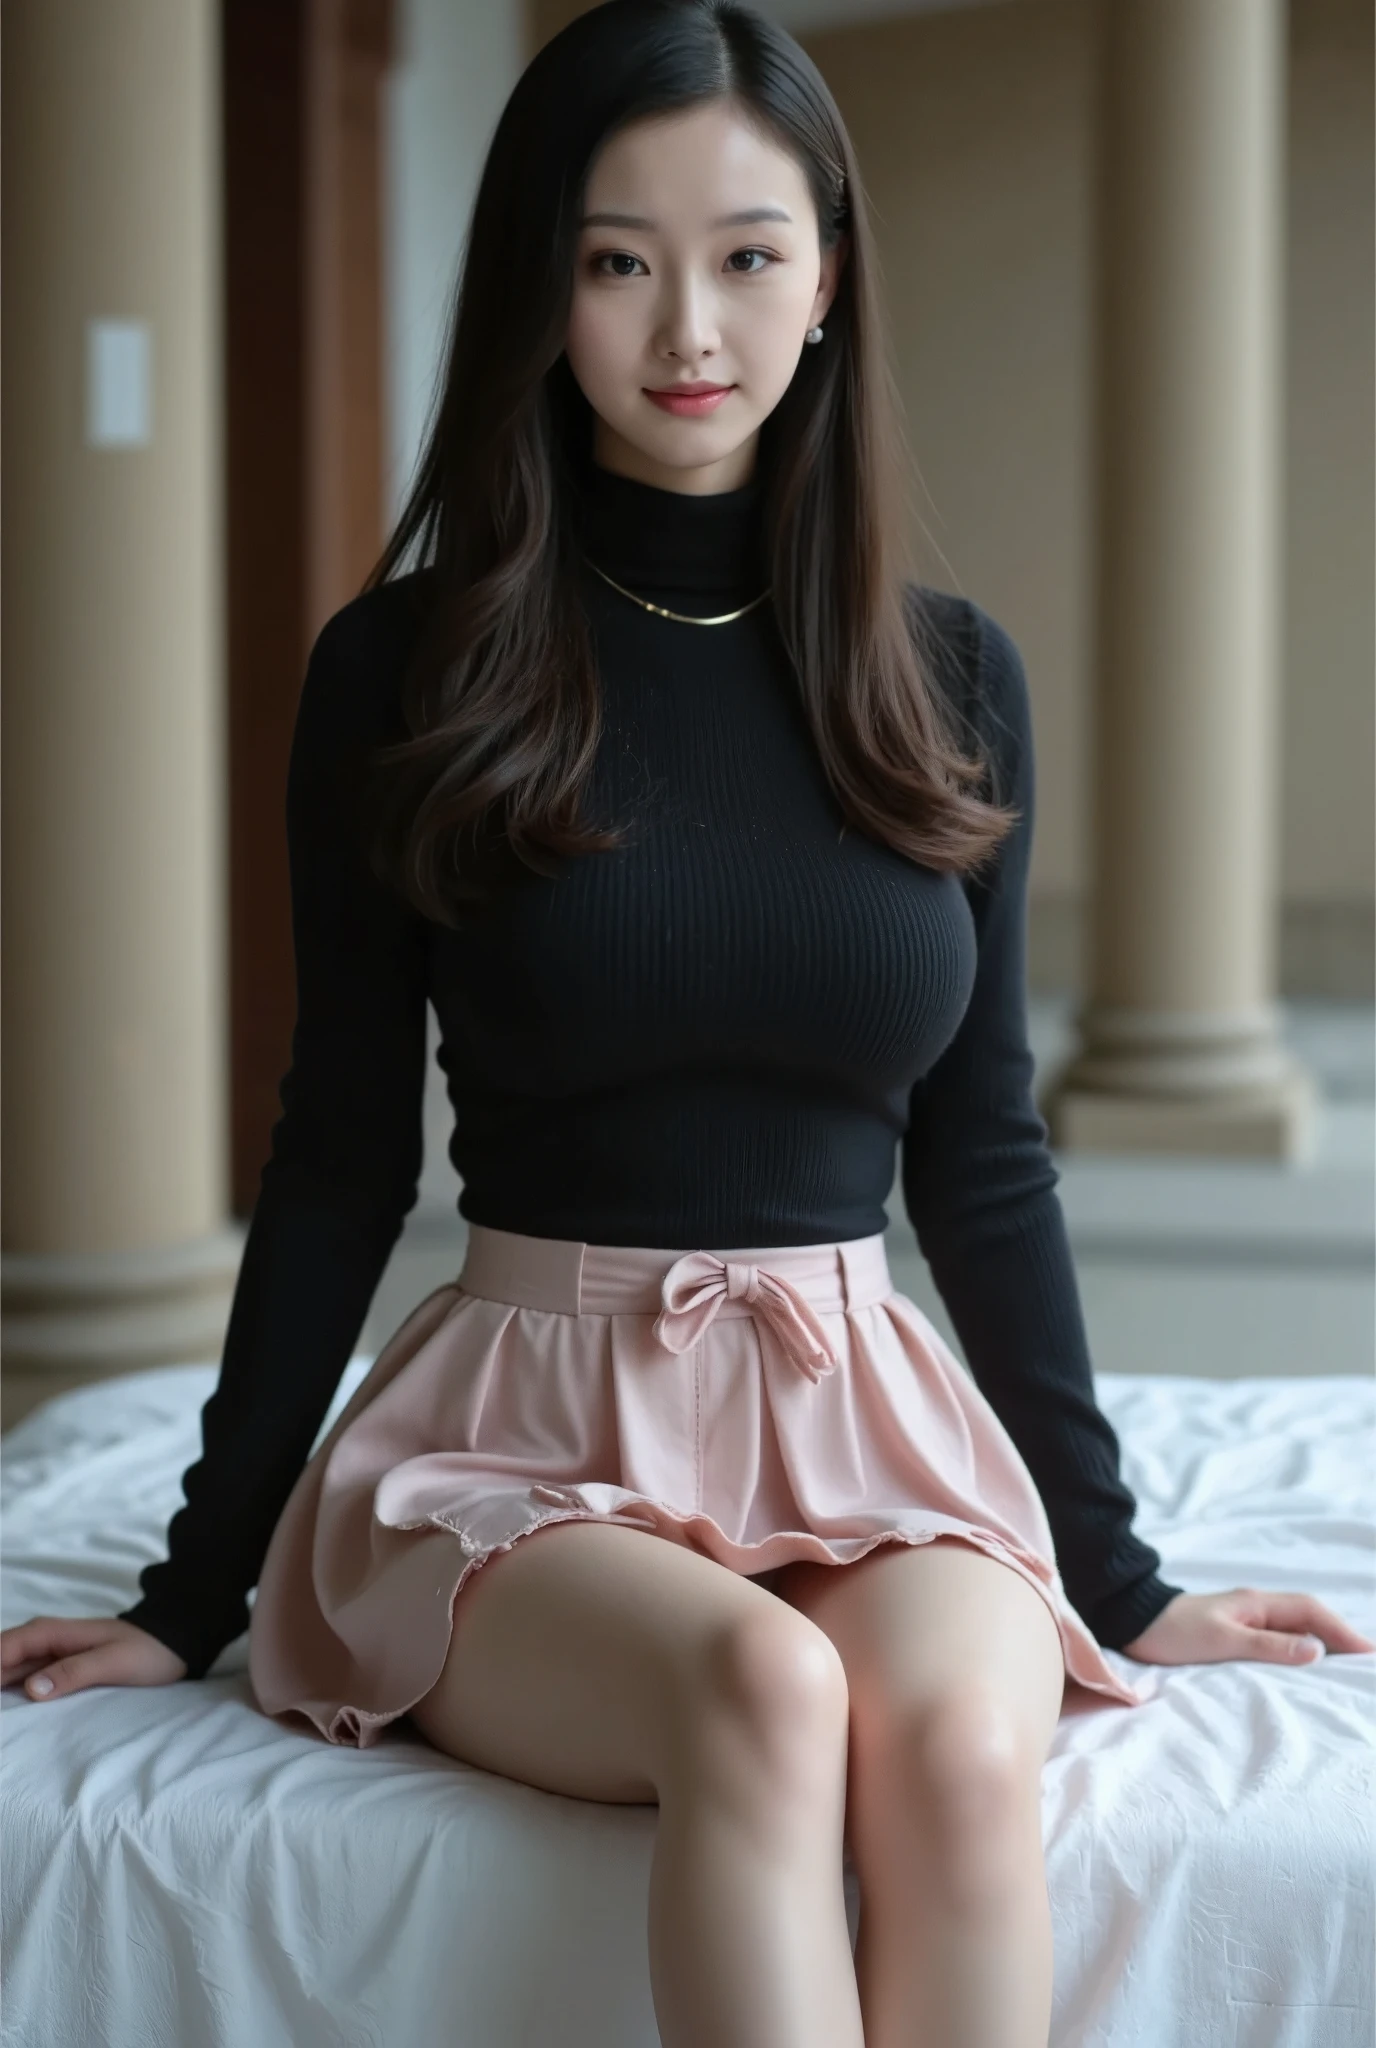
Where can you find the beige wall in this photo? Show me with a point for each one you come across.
(974, 132)
(114, 973)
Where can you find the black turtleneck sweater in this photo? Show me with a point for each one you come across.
(716, 1035)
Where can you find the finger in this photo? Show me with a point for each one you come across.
(72, 1674)
(47, 1635)
(1333, 1631)
(14, 1644)
(19, 1672)
(1273, 1646)
(1302, 1614)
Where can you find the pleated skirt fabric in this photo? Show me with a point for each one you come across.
(757, 1406)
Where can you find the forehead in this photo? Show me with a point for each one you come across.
(692, 169)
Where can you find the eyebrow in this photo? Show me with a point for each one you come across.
(725, 220)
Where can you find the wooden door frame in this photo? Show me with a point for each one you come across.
(305, 466)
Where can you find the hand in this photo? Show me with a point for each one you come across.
(72, 1654)
(1276, 1628)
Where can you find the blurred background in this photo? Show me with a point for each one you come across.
(1128, 252)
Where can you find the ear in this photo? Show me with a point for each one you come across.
(832, 263)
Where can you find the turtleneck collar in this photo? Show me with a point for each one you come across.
(658, 541)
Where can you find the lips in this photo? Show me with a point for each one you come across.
(687, 402)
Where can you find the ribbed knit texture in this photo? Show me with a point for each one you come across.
(716, 1036)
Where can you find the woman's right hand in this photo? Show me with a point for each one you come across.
(53, 1656)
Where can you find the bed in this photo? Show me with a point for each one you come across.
(179, 1872)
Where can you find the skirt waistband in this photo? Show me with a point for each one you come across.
(572, 1278)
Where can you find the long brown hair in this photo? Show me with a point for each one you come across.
(501, 697)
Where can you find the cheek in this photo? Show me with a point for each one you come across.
(599, 339)
(766, 344)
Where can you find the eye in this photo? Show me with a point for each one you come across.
(625, 256)
(613, 256)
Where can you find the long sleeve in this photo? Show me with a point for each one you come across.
(980, 1188)
(345, 1157)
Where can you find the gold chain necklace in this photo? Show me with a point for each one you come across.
(686, 618)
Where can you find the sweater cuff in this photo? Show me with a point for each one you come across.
(197, 1639)
(1122, 1617)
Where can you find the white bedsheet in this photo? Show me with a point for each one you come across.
(179, 1872)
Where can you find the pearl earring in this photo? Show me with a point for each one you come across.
(814, 334)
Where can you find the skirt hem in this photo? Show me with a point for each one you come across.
(348, 1725)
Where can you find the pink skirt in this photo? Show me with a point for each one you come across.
(756, 1406)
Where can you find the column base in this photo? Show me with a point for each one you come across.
(1277, 1120)
(67, 1319)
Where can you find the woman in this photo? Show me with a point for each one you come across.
(706, 832)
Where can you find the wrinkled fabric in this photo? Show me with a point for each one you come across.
(209, 1877)
(757, 1406)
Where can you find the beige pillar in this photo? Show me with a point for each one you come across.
(1180, 1041)
(117, 1247)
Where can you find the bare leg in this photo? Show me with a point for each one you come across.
(957, 1950)
(605, 1663)
(956, 1676)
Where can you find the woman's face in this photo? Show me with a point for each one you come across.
(667, 291)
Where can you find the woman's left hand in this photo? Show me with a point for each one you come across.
(1276, 1628)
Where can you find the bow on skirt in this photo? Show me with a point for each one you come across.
(696, 1285)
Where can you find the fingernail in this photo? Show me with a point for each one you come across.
(40, 1685)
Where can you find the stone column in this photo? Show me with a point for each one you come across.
(1180, 1043)
(118, 1250)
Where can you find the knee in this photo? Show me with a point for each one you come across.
(772, 1693)
(960, 1778)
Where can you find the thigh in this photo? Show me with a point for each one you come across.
(922, 1626)
(578, 1655)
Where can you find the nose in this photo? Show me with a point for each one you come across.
(688, 325)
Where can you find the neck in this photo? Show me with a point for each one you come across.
(657, 541)
(726, 473)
